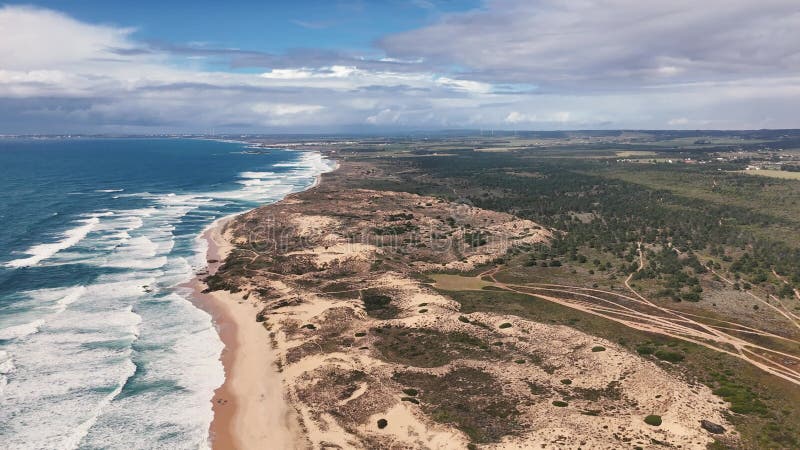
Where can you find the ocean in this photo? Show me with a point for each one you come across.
(100, 346)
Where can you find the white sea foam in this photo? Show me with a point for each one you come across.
(69, 386)
(256, 174)
(80, 431)
(40, 306)
(73, 295)
(66, 374)
(136, 253)
(102, 213)
(6, 367)
(182, 351)
(44, 251)
(109, 190)
(22, 330)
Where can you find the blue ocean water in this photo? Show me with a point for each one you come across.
(99, 345)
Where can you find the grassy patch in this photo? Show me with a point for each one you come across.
(429, 348)
(742, 398)
(469, 399)
(612, 391)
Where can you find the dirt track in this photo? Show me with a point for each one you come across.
(640, 313)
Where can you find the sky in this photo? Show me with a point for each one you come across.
(344, 66)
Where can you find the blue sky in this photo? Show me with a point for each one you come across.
(274, 26)
(397, 65)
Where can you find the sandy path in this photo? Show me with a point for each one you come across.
(785, 281)
(667, 322)
(250, 411)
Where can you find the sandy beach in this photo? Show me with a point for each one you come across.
(249, 408)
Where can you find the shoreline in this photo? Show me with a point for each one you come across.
(249, 407)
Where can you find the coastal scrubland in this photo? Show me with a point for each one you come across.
(597, 290)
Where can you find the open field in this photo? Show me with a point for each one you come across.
(457, 282)
(783, 174)
(634, 154)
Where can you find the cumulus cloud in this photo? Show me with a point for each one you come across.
(282, 114)
(568, 43)
(38, 39)
(516, 118)
(509, 64)
(99, 78)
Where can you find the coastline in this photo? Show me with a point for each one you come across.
(249, 408)
(355, 378)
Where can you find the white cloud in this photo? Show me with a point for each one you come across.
(34, 39)
(285, 109)
(384, 117)
(669, 70)
(306, 73)
(465, 85)
(628, 64)
(288, 74)
(516, 118)
(562, 43)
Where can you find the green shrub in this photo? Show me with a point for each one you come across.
(382, 423)
(505, 325)
(598, 348)
(373, 302)
(690, 296)
(645, 350)
(423, 310)
(566, 381)
(410, 400)
(379, 306)
(463, 319)
(361, 334)
(410, 391)
(653, 420)
(519, 361)
(560, 403)
(669, 356)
